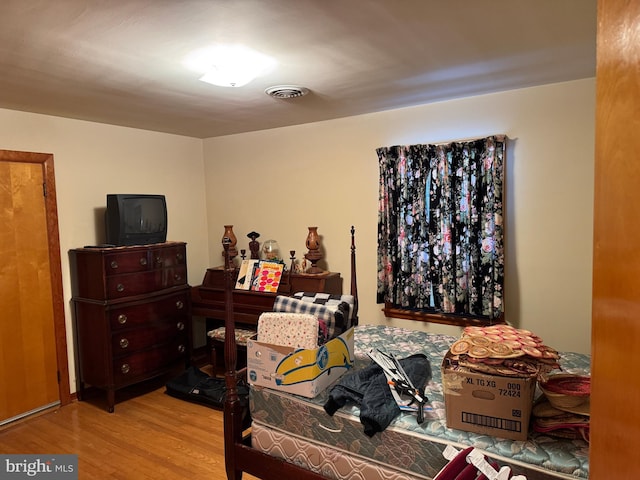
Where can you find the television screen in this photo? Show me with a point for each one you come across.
(136, 219)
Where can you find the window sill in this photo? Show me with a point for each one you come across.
(454, 320)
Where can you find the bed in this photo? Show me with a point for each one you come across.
(293, 437)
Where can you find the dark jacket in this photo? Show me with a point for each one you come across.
(368, 388)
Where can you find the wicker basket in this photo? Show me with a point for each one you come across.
(576, 393)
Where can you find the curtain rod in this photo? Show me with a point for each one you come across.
(499, 136)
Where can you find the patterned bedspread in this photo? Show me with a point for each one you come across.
(405, 445)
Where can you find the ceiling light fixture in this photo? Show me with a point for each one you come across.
(229, 65)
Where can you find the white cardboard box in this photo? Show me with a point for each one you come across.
(305, 372)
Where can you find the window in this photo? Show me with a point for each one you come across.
(440, 231)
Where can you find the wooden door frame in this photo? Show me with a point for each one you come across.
(51, 212)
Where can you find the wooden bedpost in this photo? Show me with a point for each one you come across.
(354, 281)
(232, 407)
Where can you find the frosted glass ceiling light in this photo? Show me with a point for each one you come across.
(230, 66)
(228, 75)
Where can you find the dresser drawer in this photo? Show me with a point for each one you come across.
(142, 260)
(168, 256)
(127, 262)
(130, 368)
(119, 286)
(173, 307)
(123, 343)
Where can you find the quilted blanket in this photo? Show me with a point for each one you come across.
(334, 311)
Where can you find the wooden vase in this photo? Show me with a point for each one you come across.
(314, 255)
(228, 233)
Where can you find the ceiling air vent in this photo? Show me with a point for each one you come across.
(286, 91)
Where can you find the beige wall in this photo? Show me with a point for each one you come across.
(92, 160)
(278, 182)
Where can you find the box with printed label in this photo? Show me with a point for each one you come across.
(487, 404)
(305, 372)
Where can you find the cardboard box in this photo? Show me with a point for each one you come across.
(305, 372)
(488, 404)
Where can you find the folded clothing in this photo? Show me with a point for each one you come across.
(298, 330)
(334, 310)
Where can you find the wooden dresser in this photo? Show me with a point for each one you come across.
(132, 314)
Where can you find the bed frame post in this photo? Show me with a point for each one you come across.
(354, 282)
(232, 407)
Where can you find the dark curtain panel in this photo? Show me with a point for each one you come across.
(440, 230)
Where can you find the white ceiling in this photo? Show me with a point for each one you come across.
(120, 61)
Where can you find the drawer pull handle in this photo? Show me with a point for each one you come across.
(180, 257)
(114, 264)
(179, 304)
(120, 287)
(143, 261)
(180, 326)
(124, 343)
(177, 277)
(181, 348)
(122, 319)
(159, 260)
(125, 368)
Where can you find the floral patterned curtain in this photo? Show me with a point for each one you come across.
(440, 229)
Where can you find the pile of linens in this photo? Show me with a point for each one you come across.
(504, 350)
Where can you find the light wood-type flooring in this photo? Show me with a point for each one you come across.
(151, 435)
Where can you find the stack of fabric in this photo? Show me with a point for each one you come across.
(563, 409)
(504, 350)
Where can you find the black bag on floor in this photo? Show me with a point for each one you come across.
(196, 386)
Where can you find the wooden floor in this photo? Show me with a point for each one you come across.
(149, 436)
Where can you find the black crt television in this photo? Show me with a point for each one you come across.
(135, 219)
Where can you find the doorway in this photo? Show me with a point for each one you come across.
(34, 372)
